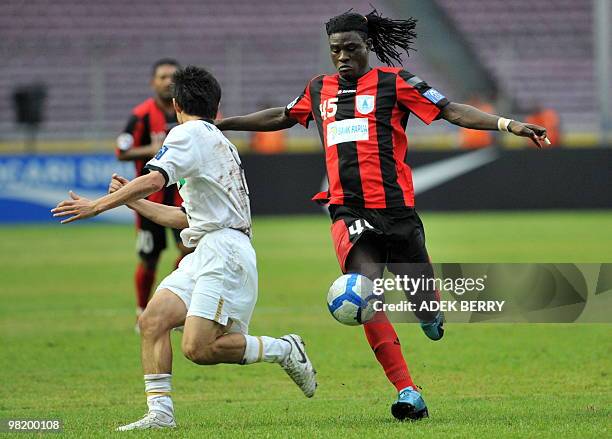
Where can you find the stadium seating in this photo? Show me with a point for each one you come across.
(539, 51)
(95, 56)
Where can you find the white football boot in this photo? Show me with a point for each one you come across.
(298, 365)
(150, 420)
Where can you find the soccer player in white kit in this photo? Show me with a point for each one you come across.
(214, 289)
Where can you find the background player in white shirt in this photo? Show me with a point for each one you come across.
(214, 289)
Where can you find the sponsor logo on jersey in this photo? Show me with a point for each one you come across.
(343, 92)
(433, 95)
(349, 130)
(364, 103)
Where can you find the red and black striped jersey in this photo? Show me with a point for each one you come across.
(362, 128)
(147, 121)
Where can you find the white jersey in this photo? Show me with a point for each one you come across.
(207, 168)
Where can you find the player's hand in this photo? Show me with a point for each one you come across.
(77, 208)
(535, 132)
(116, 183)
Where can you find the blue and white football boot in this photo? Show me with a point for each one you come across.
(409, 405)
(434, 329)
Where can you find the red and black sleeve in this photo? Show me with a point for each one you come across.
(131, 134)
(416, 96)
(300, 108)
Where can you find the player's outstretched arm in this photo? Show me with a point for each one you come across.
(470, 117)
(77, 208)
(140, 153)
(272, 119)
(144, 152)
(167, 216)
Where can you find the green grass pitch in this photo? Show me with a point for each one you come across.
(68, 350)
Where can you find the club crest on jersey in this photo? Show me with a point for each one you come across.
(364, 103)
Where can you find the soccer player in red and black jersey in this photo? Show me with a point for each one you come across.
(361, 114)
(142, 137)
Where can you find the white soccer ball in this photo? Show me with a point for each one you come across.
(350, 299)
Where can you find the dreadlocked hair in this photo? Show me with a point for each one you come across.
(389, 37)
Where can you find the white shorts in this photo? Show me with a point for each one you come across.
(218, 281)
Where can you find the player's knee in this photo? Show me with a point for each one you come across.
(151, 324)
(199, 353)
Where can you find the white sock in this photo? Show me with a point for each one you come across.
(268, 349)
(158, 387)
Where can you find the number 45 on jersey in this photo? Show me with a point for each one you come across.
(328, 108)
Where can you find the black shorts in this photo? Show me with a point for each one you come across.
(398, 232)
(151, 239)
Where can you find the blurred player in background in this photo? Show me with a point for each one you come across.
(214, 289)
(141, 139)
(361, 114)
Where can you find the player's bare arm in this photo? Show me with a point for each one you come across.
(470, 117)
(271, 119)
(167, 216)
(77, 208)
(142, 152)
